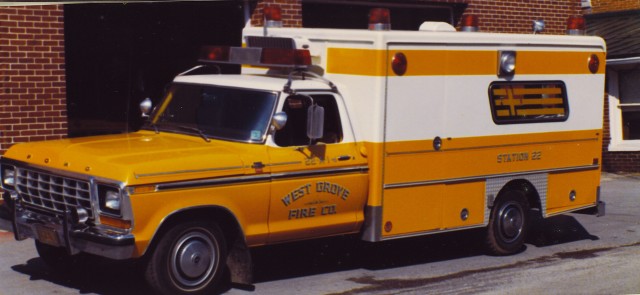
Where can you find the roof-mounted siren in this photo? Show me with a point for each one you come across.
(576, 25)
(470, 23)
(379, 19)
(272, 16)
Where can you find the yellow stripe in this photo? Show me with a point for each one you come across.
(371, 62)
(356, 61)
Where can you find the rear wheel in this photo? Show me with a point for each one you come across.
(508, 223)
(189, 259)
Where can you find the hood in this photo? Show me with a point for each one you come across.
(140, 157)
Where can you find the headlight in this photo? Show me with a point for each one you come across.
(8, 177)
(110, 199)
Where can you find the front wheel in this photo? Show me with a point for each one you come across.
(189, 259)
(508, 223)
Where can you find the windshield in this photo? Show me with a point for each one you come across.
(216, 112)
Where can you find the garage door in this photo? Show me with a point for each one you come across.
(118, 54)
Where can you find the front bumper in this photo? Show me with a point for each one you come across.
(76, 238)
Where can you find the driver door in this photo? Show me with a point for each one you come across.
(319, 186)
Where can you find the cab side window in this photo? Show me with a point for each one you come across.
(294, 132)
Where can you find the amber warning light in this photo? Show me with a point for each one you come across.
(265, 57)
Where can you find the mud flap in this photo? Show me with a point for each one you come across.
(240, 266)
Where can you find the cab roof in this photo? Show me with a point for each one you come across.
(260, 82)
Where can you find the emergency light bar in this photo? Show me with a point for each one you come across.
(255, 56)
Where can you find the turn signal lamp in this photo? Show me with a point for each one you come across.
(272, 16)
(470, 23)
(576, 25)
(379, 19)
(115, 222)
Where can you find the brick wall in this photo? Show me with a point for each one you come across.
(598, 6)
(32, 75)
(516, 16)
(291, 12)
(621, 162)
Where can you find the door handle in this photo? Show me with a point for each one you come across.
(344, 158)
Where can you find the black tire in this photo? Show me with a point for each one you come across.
(508, 224)
(189, 259)
(57, 257)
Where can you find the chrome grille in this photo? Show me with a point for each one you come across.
(52, 192)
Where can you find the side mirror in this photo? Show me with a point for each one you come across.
(279, 120)
(315, 122)
(145, 107)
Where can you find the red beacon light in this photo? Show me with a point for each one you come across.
(470, 23)
(256, 56)
(576, 25)
(215, 53)
(379, 19)
(272, 17)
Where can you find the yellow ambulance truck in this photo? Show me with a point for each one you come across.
(385, 134)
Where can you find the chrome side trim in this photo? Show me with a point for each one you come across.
(137, 176)
(284, 163)
(319, 172)
(211, 182)
(489, 146)
(258, 178)
(483, 177)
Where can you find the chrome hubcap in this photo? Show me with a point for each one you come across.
(193, 259)
(511, 222)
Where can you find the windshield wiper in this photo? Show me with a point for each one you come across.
(150, 125)
(197, 130)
